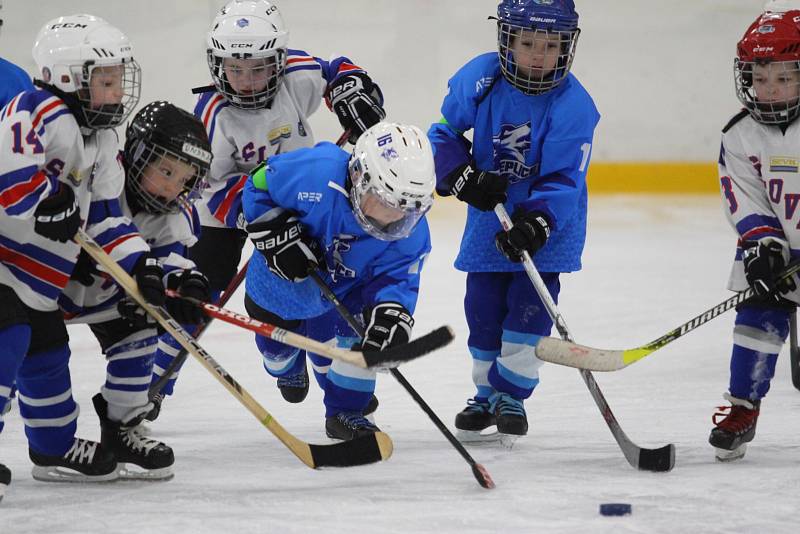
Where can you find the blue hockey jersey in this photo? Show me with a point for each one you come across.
(312, 183)
(540, 143)
(13, 81)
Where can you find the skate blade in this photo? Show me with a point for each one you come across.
(128, 471)
(724, 455)
(478, 437)
(53, 473)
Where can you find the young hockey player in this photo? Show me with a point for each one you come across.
(759, 184)
(259, 105)
(13, 80)
(59, 168)
(166, 159)
(360, 219)
(532, 125)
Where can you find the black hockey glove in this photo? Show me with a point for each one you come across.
(289, 251)
(480, 189)
(149, 277)
(357, 102)
(189, 283)
(530, 232)
(57, 217)
(85, 270)
(134, 314)
(388, 324)
(762, 263)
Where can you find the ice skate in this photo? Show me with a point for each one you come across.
(5, 480)
(731, 434)
(348, 425)
(294, 388)
(139, 457)
(85, 461)
(475, 423)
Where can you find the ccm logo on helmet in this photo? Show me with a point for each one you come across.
(68, 25)
(241, 45)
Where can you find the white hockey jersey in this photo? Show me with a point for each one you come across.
(168, 237)
(241, 139)
(759, 170)
(42, 146)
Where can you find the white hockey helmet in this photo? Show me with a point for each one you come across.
(393, 179)
(248, 30)
(69, 49)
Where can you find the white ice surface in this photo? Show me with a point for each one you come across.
(650, 264)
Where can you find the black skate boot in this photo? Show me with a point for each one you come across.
(349, 425)
(139, 457)
(731, 435)
(510, 414)
(153, 414)
(294, 388)
(5, 480)
(473, 420)
(85, 461)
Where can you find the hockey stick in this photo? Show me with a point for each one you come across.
(365, 359)
(660, 459)
(177, 362)
(588, 358)
(364, 450)
(794, 351)
(478, 470)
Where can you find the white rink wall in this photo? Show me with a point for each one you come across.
(660, 72)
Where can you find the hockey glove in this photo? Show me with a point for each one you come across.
(357, 102)
(283, 242)
(149, 277)
(57, 217)
(388, 324)
(480, 189)
(134, 314)
(762, 263)
(189, 283)
(85, 270)
(530, 232)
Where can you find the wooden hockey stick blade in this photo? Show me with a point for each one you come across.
(592, 359)
(387, 358)
(364, 450)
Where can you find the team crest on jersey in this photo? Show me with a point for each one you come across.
(511, 146)
(336, 266)
(276, 134)
(76, 176)
(784, 164)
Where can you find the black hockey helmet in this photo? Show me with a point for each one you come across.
(161, 132)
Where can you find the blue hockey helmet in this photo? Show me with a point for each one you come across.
(536, 42)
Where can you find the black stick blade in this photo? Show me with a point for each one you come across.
(659, 460)
(394, 356)
(360, 451)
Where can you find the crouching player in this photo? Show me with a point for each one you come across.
(360, 218)
(166, 159)
(760, 186)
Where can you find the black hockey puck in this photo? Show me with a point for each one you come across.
(616, 508)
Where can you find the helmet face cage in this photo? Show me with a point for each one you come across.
(266, 71)
(377, 210)
(146, 153)
(552, 58)
(787, 73)
(104, 116)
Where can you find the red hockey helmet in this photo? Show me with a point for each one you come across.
(772, 41)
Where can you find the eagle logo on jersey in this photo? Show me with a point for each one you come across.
(510, 148)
